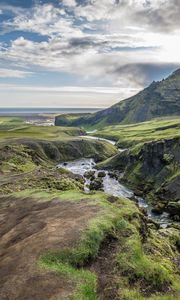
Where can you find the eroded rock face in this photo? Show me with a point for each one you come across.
(155, 169)
(157, 155)
(151, 170)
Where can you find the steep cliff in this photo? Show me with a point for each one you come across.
(152, 170)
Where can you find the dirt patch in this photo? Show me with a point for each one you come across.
(29, 228)
(105, 268)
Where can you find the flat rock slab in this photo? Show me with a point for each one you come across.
(29, 228)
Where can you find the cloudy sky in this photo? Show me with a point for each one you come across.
(89, 53)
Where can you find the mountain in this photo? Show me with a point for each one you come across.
(160, 99)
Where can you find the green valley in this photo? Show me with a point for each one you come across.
(73, 226)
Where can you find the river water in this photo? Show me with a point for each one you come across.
(112, 186)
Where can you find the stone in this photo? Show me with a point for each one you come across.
(173, 208)
(89, 174)
(96, 184)
(102, 174)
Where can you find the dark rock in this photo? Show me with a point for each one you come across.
(89, 174)
(113, 175)
(173, 208)
(93, 177)
(96, 184)
(176, 218)
(138, 193)
(158, 209)
(102, 174)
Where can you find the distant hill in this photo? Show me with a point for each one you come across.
(160, 99)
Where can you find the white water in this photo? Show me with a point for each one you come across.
(97, 138)
(100, 139)
(111, 186)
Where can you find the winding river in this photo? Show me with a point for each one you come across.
(111, 185)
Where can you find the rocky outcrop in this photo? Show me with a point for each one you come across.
(173, 208)
(152, 169)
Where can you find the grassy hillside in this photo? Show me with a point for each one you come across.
(24, 147)
(132, 134)
(151, 162)
(160, 99)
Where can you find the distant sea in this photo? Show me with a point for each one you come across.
(46, 110)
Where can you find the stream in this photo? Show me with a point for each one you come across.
(111, 185)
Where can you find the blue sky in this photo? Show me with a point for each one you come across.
(84, 53)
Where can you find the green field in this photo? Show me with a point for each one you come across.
(11, 128)
(129, 135)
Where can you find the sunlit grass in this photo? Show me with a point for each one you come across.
(128, 135)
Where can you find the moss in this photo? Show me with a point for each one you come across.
(145, 268)
(25, 155)
(68, 260)
(134, 134)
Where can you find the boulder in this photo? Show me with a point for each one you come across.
(102, 174)
(113, 175)
(173, 208)
(96, 184)
(89, 174)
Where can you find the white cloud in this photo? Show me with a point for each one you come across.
(10, 73)
(70, 3)
(107, 39)
(43, 19)
(61, 96)
(65, 89)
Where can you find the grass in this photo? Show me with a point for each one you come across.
(68, 261)
(14, 128)
(133, 134)
(145, 270)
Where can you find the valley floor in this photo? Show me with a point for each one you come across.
(58, 242)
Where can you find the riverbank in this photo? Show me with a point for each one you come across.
(110, 184)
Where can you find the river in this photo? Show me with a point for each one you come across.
(112, 187)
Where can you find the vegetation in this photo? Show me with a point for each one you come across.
(160, 99)
(133, 134)
(24, 147)
(151, 170)
(145, 269)
(94, 245)
(15, 128)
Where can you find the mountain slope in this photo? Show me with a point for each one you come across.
(160, 99)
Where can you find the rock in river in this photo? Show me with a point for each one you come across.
(96, 184)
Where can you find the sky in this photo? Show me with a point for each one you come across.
(84, 53)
